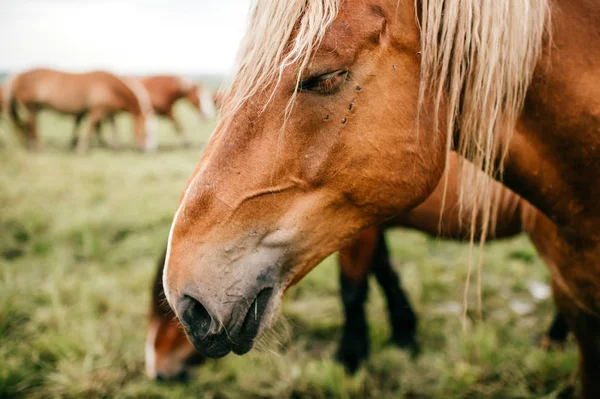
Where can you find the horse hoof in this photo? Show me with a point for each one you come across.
(406, 342)
(351, 354)
(350, 361)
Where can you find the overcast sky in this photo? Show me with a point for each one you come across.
(124, 36)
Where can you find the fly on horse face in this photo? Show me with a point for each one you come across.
(169, 353)
(97, 94)
(165, 91)
(338, 106)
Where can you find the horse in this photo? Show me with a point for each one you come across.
(98, 94)
(337, 106)
(166, 90)
(169, 353)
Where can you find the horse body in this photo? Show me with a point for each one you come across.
(99, 94)
(554, 162)
(338, 106)
(37, 88)
(166, 90)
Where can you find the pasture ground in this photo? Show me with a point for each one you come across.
(79, 237)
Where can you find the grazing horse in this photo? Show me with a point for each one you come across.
(338, 106)
(165, 91)
(97, 94)
(169, 353)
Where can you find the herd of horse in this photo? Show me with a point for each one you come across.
(99, 96)
(466, 119)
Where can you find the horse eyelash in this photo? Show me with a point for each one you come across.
(325, 86)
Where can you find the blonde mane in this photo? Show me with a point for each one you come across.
(477, 60)
(281, 33)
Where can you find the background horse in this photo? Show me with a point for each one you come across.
(166, 90)
(338, 106)
(97, 94)
(169, 353)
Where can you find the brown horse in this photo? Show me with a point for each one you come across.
(338, 106)
(169, 353)
(166, 90)
(97, 94)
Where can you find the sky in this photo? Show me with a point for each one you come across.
(123, 36)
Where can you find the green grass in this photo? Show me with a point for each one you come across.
(79, 237)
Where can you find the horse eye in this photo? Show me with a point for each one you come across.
(328, 83)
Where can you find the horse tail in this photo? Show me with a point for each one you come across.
(10, 104)
(150, 121)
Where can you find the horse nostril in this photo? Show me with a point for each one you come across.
(197, 317)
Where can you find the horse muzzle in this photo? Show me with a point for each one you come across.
(217, 341)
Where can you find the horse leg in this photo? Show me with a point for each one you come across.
(185, 141)
(96, 117)
(31, 134)
(115, 143)
(98, 131)
(557, 333)
(402, 317)
(75, 133)
(586, 328)
(20, 126)
(355, 262)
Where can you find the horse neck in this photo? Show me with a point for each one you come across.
(554, 158)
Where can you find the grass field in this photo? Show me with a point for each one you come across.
(79, 237)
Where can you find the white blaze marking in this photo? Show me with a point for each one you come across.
(170, 239)
(169, 242)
